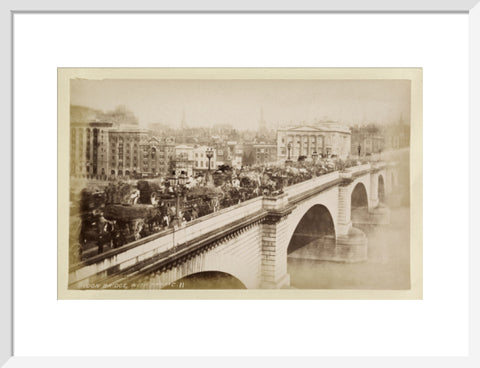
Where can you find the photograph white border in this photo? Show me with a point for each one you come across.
(7, 186)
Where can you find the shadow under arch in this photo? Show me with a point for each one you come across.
(381, 188)
(359, 196)
(316, 224)
(359, 203)
(207, 280)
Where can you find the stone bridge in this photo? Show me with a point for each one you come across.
(250, 241)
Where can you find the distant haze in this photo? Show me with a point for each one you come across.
(239, 102)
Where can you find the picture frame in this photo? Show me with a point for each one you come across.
(9, 11)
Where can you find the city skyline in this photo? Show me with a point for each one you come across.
(204, 103)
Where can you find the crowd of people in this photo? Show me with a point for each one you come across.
(124, 212)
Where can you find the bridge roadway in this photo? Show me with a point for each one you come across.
(248, 241)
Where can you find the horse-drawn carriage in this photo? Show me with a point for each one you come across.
(112, 218)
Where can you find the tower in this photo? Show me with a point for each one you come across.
(183, 123)
(262, 125)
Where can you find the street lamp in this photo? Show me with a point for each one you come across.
(289, 148)
(283, 182)
(177, 184)
(314, 158)
(209, 154)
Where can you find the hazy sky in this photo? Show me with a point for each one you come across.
(239, 102)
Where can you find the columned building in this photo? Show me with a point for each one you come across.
(327, 139)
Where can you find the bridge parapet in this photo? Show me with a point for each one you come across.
(151, 246)
(356, 170)
(305, 186)
(216, 220)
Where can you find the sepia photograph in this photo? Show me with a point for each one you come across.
(238, 179)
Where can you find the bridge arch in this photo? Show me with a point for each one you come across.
(359, 196)
(212, 262)
(207, 280)
(316, 224)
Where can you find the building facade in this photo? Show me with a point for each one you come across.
(184, 158)
(366, 141)
(397, 136)
(259, 153)
(102, 150)
(236, 152)
(327, 139)
(89, 144)
(126, 156)
(201, 162)
(223, 154)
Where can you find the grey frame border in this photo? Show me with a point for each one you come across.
(10, 7)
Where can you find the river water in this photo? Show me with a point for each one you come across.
(387, 266)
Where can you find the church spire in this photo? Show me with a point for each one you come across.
(262, 126)
(183, 123)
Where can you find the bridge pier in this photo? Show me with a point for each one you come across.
(274, 254)
(374, 201)
(390, 179)
(275, 243)
(344, 222)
